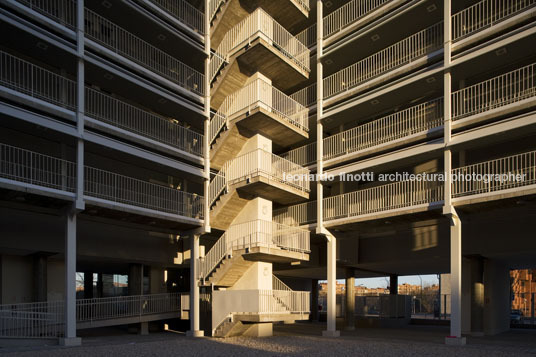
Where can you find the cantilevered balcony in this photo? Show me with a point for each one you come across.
(495, 179)
(117, 43)
(257, 44)
(398, 59)
(296, 215)
(181, 11)
(256, 108)
(226, 14)
(488, 17)
(495, 97)
(256, 174)
(32, 172)
(60, 11)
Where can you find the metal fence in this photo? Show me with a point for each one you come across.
(496, 92)
(36, 169)
(297, 215)
(403, 52)
(37, 82)
(495, 175)
(308, 36)
(184, 12)
(61, 11)
(123, 189)
(306, 96)
(303, 155)
(108, 34)
(32, 320)
(126, 116)
(484, 14)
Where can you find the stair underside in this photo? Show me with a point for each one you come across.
(287, 13)
(261, 56)
(228, 208)
(228, 145)
(271, 189)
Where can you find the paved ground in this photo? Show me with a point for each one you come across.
(297, 340)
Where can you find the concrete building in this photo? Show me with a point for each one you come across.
(173, 142)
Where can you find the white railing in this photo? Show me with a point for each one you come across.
(308, 36)
(256, 233)
(397, 55)
(484, 14)
(348, 14)
(259, 163)
(126, 306)
(277, 284)
(259, 23)
(36, 81)
(123, 189)
(296, 215)
(36, 169)
(303, 155)
(382, 198)
(214, 5)
(134, 48)
(259, 94)
(416, 119)
(495, 175)
(32, 320)
(126, 116)
(283, 301)
(496, 92)
(61, 11)
(306, 96)
(184, 12)
(304, 4)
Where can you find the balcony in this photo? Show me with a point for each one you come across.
(114, 41)
(257, 44)
(182, 11)
(256, 108)
(506, 93)
(303, 155)
(60, 11)
(503, 179)
(28, 171)
(395, 60)
(297, 215)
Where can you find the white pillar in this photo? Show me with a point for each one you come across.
(206, 137)
(80, 108)
(194, 288)
(331, 330)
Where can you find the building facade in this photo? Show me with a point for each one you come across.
(175, 144)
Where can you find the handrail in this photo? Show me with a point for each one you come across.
(37, 82)
(304, 155)
(278, 284)
(306, 96)
(36, 169)
(348, 14)
(32, 320)
(113, 111)
(308, 36)
(499, 91)
(214, 5)
(259, 23)
(259, 94)
(61, 11)
(484, 14)
(396, 55)
(184, 12)
(108, 34)
(296, 215)
(502, 174)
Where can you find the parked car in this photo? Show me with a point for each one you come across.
(515, 316)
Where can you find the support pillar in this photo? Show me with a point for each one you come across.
(350, 300)
(135, 279)
(88, 285)
(331, 330)
(497, 301)
(477, 296)
(393, 284)
(40, 277)
(314, 300)
(194, 288)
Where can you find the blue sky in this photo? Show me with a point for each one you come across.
(384, 281)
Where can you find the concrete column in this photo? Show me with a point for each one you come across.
(194, 288)
(80, 107)
(331, 330)
(70, 338)
(135, 279)
(393, 284)
(496, 297)
(349, 317)
(206, 137)
(88, 285)
(314, 300)
(40, 273)
(477, 296)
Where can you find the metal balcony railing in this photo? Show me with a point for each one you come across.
(348, 14)
(127, 190)
(259, 23)
(297, 215)
(413, 120)
(184, 12)
(126, 306)
(484, 14)
(308, 36)
(259, 94)
(124, 43)
(303, 155)
(112, 111)
(214, 6)
(496, 92)
(32, 320)
(36, 169)
(61, 11)
(259, 163)
(256, 233)
(37, 82)
(401, 53)
(306, 96)
(495, 175)
(382, 198)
